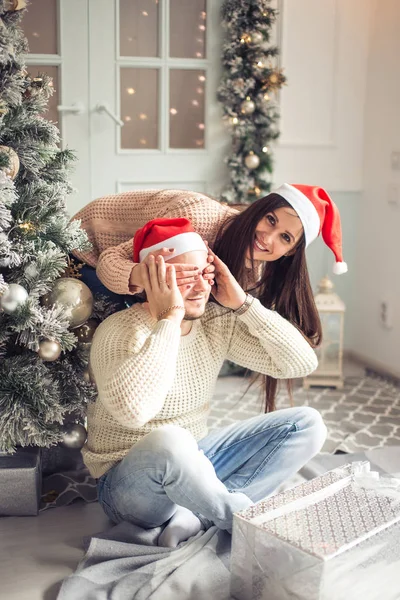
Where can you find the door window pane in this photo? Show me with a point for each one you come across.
(187, 28)
(40, 26)
(34, 71)
(186, 129)
(138, 28)
(139, 108)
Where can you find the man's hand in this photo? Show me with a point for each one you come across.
(226, 290)
(185, 273)
(161, 289)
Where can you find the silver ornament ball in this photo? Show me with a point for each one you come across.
(49, 350)
(252, 161)
(247, 107)
(14, 297)
(73, 436)
(75, 297)
(256, 37)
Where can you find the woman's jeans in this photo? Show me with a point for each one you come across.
(225, 472)
(89, 276)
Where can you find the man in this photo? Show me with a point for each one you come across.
(156, 366)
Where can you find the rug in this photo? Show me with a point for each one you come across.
(364, 415)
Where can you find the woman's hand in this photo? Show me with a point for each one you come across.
(161, 289)
(226, 290)
(185, 274)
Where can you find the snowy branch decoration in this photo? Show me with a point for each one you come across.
(247, 93)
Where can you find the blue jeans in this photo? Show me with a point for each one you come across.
(89, 276)
(225, 472)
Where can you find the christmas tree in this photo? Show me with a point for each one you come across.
(43, 317)
(247, 92)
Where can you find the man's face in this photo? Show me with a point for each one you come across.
(195, 296)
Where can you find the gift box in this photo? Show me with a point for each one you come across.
(20, 482)
(335, 537)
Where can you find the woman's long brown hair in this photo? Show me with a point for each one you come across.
(284, 285)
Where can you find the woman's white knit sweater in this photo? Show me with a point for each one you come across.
(148, 376)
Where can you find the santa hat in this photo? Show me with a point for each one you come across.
(159, 233)
(318, 214)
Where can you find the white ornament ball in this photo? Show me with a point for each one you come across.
(73, 436)
(256, 37)
(247, 107)
(14, 297)
(252, 161)
(49, 350)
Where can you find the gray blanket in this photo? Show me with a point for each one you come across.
(125, 563)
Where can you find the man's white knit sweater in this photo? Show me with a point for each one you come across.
(148, 375)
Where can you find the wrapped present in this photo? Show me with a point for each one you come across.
(335, 537)
(20, 482)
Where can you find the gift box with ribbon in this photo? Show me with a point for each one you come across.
(334, 537)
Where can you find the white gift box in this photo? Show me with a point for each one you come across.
(336, 537)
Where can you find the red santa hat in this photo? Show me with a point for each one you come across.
(161, 233)
(318, 214)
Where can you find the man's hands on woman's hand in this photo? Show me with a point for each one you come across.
(159, 282)
(226, 290)
(185, 274)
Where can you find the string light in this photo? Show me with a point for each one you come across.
(266, 97)
(200, 125)
(199, 142)
(130, 91)
(145, 13)
(143, 116)
(195, 102)
(173, 111)
(235, 120)
(201, 78)
(143, 141)
(199, 54)
(200, 90)
(127, 119)
(265, 149)
(202, 27)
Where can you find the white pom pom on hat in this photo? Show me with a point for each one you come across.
(318, 214)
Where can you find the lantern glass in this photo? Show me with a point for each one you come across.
(331, 311)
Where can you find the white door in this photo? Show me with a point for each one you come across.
(57, 33)
(135, 92)
(154, 69)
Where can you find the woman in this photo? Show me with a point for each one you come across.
(263, 246)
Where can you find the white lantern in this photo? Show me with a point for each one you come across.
(330, 354)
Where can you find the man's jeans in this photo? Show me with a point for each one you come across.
(224, 473)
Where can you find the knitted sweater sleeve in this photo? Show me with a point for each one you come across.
(265, 342)
(115, 264)
(134, 375)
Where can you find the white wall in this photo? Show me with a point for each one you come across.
(324, 50)
(377, 260)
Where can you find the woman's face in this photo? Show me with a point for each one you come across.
(276, 234)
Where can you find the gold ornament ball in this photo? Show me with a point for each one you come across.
(85, 332)
(49, 350)
(74, 296)
(257, 37)
(273, 78)
(73, 436)
(12, 170)
(247, 107)
(11, 5)
(252, 161)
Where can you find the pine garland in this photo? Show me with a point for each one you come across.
(247, 93)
